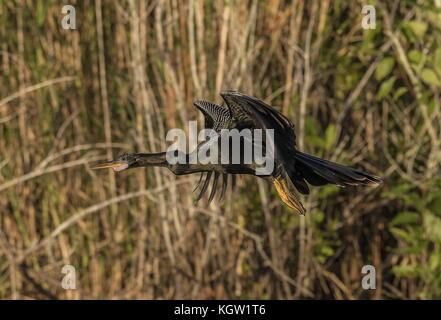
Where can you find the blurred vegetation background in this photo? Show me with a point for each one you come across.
(131, 70)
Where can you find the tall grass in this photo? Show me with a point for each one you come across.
(130, 72)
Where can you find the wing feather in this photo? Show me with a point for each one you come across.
(258, 115)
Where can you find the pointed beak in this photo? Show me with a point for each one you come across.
(117, 165)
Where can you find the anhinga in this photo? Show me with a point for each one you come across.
(292, 170)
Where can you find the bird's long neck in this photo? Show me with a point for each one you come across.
(160, 160)
(186, 166)
(150, 159)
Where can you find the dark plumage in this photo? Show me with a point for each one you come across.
(293, 170)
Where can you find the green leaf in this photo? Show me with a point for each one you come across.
(327, 251)
(384, 68)
(405, 217)
(419, 28)
(431, 107)
(398, 191)
(435, 261)
(399, 92)
(41, 13)
(404, 271)
(415, 249)
(401, 233)
(330, 136)
(435, 205)
(415, 56)
(429, 77)
(437, 61)
(315, 141)
(328, 190)
(433, 227)
(386, 87)
(318, 215)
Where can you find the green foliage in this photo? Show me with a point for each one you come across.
(386, 87)
(384, 67)
(418, 28)
(437, 61)
(330, 136)
(430, 77)
(418, 233)
(405, 217)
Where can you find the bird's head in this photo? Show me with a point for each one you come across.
(123, 162)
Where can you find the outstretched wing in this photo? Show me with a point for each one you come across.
(252, 113)
(216, 118)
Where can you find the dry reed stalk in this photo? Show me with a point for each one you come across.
(103, 91)
(303, 259)
(222, 48)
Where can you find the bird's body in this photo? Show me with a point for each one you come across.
(292, 170)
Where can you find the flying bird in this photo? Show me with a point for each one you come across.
(293, 170)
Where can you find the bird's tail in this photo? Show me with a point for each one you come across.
(318, 172)
(287, 192)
